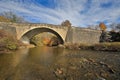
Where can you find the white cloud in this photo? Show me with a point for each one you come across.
(65, 9)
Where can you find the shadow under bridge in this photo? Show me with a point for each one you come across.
(26, 38)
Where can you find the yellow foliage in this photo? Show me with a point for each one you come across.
(102, 26)
(46, 41)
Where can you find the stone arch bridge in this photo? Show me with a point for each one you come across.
(73, 35)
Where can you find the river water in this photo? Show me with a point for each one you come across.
(52, 63)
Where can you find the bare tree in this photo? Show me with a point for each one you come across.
(66, 23)
(115, 27)
(118, 26)
(13, 17)
(95, 27)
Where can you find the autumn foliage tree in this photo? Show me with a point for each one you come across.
(66, 23)
(102, 26)
(105, 36)
(46, 41)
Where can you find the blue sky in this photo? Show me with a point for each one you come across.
(78, 12)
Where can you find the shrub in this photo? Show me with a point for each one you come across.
(7, 41)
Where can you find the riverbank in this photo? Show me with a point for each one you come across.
(106, 46)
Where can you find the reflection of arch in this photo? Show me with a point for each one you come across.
(28, 35)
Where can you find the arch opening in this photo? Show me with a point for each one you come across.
(28, 36)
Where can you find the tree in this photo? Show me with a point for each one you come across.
(12, 17)
(4, 19)
(102, 26)
(104, 36)
(115, 27)
(95, 27)
(66, 23)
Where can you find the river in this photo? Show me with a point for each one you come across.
(53, 63)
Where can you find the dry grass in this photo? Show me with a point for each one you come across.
(76, 46)
(71, 46)
(107, 46)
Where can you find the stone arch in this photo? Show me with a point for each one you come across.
(29, 34)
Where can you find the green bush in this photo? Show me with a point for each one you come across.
(9, 43)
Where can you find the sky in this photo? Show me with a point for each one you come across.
(79, 12)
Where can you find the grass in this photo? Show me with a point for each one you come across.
(106, 46)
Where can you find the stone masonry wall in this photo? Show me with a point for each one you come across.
(74, 34)
(8, 28)
(85, 36)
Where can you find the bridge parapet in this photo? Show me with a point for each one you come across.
(30, 25)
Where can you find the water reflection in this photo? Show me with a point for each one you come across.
(43, 55)
(39, 63)
(23, 63)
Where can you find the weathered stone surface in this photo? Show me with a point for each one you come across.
(74, 34)
(84, 36)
